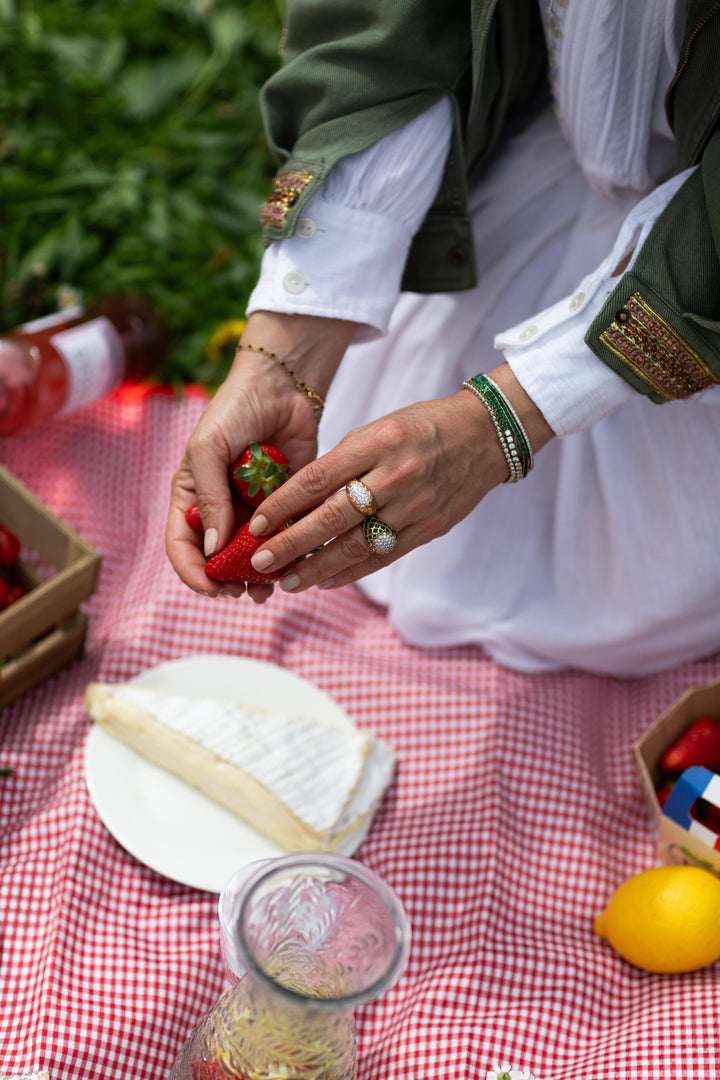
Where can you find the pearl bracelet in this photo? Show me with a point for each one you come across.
(510, 431)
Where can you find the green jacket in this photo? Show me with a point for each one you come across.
(354, 70)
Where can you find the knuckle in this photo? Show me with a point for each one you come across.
(353, 548)
(410, 469)
(315, 478)
(201, 443)
(334, 517)
(389, 432)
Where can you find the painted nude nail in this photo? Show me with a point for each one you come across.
(327, 584)
(210, 542)
(289, 583)
(261, 560)
(258, 527)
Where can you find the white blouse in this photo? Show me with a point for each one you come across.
(347, 258)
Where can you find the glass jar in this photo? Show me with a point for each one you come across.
(307, 938)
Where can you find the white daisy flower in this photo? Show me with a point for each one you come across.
(509, 1072)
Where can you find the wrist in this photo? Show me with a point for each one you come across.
(310, 346)
(536, 426)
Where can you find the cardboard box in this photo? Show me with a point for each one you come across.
(676, 844)
(46, 629)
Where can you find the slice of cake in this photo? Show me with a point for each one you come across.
(303, 783)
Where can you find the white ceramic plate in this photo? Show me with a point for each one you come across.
(166, 823)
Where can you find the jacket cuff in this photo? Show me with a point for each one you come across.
(655, 348)
(291, 190)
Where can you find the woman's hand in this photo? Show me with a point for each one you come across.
(257, 402)
(427, 465)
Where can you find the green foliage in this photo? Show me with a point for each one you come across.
(132, 157)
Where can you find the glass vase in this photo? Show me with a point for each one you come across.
(307, 938)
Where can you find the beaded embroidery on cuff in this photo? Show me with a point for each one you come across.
(510, 431)
(316, 401)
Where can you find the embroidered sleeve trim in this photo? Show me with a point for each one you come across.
(285, 193)
(649, 346)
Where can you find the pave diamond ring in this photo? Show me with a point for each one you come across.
(361, 497)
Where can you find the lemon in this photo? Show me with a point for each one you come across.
(665, 920)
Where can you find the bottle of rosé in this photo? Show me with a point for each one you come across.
(61, 362)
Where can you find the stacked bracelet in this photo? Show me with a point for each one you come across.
(510, 431)
(316, 401)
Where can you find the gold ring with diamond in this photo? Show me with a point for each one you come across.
(361, 497)
(379, 536)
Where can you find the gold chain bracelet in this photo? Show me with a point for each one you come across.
(316, 401)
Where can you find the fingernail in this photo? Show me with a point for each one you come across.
(258, 526)
(289, 582)
(210, 542)
(327, 584)
(261, 560)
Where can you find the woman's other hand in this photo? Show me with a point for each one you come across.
(427, 465)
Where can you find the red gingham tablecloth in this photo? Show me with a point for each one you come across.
(515, 813)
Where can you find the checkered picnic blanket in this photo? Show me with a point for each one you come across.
(515, 813)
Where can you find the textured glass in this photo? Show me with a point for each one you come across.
(317, 935)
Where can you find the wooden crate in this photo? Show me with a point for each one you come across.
(674, 844)
(45, 629)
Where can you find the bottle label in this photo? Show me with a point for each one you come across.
(94, 355)
(46, 321)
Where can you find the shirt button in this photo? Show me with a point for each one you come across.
(294, 282)
(306, 228)
(577, 301)
(528, 332)
(556, 27)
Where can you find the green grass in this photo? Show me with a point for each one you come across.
(132, 157)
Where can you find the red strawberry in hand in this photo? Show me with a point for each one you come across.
(243, 513)
(259, 470)
(698, 745)
(233, 562)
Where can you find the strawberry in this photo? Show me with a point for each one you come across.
(15, 592)
(707, 814)
(233, 562)
(192, 516)
(259, 470)
(663, 793)
(9, 547)
(699, 744)
(243, 513)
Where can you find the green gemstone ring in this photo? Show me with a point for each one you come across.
(379, 536)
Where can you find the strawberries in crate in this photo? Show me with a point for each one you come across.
(698, 744)
(12, 587)
(9, 547)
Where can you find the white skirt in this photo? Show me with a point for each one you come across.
(607, 557)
